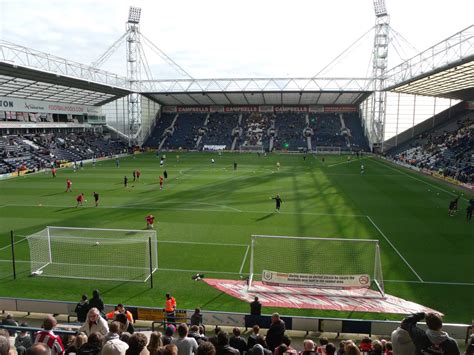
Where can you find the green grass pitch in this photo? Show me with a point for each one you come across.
(207, 212)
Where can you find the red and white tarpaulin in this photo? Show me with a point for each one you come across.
(356, 300)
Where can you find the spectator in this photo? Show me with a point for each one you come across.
(185, 344)
(223, 347)
(10, 321)
(112, 343)
(137, 344)
(169, 349)
(170, 309)
(39, 349)
(126, 326)
(258, 349)
(351, 349)
(286, 340)
(206, 348)
(433, 339)
(402, 343)
(93, 346)
(120, 309)
(125, 337)
(275, 332)
(261, 341)
(23, 340)
(48, 337)
(169, 332)
(4, 345)
(196, 317)
(194, 333)
(155, 343)
(82, 308)
(79, 341)
(342, 345)
(252, 339)
(330, 349)
(94, 323)
(376, 348)
(365, 345)
(237, 342)
(97, 302)
(308, 347)
(255, 307)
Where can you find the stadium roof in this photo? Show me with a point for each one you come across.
(444, 70)
(258, 91)
(30, 74)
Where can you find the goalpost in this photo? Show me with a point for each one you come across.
(327, 150)
(93, 253)
(318, 263)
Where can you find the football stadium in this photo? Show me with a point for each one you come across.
(341, 202)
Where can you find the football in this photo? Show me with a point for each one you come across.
(97, 243)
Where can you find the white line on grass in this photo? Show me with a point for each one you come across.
(432, 282)
(202, 271)
(191, 209)
(420, 180)
(10, 245)
(218, 244)
(243, 261)
(346, 162)
(396, 250)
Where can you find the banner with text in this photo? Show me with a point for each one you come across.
(315, 280)
(262, 108)
(13, 104)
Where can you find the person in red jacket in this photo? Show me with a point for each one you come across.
(150, 220)
(80, 199)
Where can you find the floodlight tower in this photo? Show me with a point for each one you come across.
(133, 70)
(379, 68)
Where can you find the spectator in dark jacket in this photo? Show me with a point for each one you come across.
(433, 340)
(223, 347)
(275, 332)
(237, 342)
(97, 302)
(82, 308)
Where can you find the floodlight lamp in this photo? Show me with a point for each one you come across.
(380, 8)
(134, 14)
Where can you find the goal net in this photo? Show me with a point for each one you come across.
(327, 150)
(92, 253)
(316, 263)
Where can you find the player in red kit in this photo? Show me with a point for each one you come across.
(138, 174)
(150, 220)
(80, 199)
(53, 171)
(161, 182)
(68, 185)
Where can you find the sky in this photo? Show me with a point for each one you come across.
(233, 38)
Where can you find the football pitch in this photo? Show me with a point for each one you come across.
(206, 214)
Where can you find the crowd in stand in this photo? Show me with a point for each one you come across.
(117, 336)
(33, 152)
(256, 126)
(450, 153)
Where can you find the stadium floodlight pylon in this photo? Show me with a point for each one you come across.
(94, 253)
(303, 258)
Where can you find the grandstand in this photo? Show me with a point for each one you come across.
(391, 181)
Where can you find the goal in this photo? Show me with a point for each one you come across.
(92, 253)
(316, 263)
(327, 150)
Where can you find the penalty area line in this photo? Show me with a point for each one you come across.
(394, 248)
(10, 245)
(447, 283)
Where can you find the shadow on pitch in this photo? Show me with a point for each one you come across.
(265, 217)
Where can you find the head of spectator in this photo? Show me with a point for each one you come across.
(236, 332)
(308, 345)
(80, 340)
(255, 329)
(115, 327)
(388, 347)
(136, 343)
(182, 330)
(206, 348)
(4, 345)
(222, 339)
(261, 341)
(351, 349)
(155, 342)
(170, 349)
(202, 330)
(434, 321)
(275, 316)
(282, 349)
(39, 349)
(125, 337)
(365, 344)
(49, 323)
(125, 325)
(95, 339)
(330, 349)
(217, 330)
(377, 347)
(170, 329)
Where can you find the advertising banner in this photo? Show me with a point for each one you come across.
(241, 109)
(340, 108)
(291, 108)
(315, 280)
(13, 104)
(193, 108)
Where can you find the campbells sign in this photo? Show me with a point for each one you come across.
(315, 280)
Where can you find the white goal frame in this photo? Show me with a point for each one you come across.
(94, 253)
(375, 272)
(333, 150)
